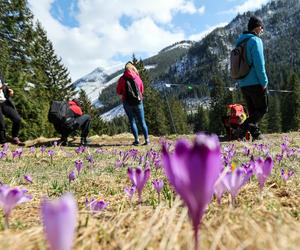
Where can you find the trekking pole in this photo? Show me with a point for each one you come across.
(169, 109)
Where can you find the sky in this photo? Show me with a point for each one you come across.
(88, 34)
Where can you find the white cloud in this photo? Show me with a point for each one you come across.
(247, 6)
(199, 36)
(201, 10)
(100, 36)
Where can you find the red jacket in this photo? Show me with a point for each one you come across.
(121, 83)
(75, 108)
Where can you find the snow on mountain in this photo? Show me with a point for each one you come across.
(113, 113)
(182, 44)
(93, 84)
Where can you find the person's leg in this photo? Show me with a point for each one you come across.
(130, 114)
(2, 127)
(139, 112)
(14, 116)
(259, 106)
(83, 122)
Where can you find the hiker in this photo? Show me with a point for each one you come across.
(8, 109)
(75, 120)
(130, 88)
(254, 84)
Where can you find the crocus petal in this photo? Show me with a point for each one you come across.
(10, 197)
(59, 220)
(193, 170)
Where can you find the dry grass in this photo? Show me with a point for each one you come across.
(267, 220)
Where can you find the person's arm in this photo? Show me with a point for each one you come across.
(257, 52)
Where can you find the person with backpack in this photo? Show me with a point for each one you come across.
(130, 88)
(8, 109)
(74, 119)
(254, 84)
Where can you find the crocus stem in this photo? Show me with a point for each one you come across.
(6, 225)
(158, 197)
(196, 237)
(140, 198)
(232, 203)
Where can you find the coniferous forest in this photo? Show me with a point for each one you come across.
(37, 75)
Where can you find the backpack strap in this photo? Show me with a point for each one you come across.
(245, 42)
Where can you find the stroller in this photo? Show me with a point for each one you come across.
(235, 117)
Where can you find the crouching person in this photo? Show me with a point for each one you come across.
(8, 109)
(75, 120)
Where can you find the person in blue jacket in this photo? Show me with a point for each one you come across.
(254, 84)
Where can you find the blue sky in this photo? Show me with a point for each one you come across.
(100, 33)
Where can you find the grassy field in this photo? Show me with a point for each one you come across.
(260, 220)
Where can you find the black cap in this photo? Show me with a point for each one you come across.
(254, 22)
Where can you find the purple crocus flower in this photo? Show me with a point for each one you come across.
(130, 191)
(95, 206)
(246, 151)
(219, 189)
(263, 169)
(43, 149)
(233, 181)
(2, 154)
(32, 150)
(90, 159)
(279, 157)
(139, 179)
(285, 175)
(51, 152)
(28, 178)
(17, 153)
(193, 170)
(10, 197)
(72, 176)
(5, 147)
(78, 165)
(80, 150)
(59, 221)
(158, 186)
(157, 164)
(119, 163)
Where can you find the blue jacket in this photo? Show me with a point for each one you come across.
(255, 56)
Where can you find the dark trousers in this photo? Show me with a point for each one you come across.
(257, 105)
(11, 113)
(83, 122)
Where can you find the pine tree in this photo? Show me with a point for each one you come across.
(218, 96)
(49, 72)
(291, 104)
(273, 117)
(179, 116)
(201, 120)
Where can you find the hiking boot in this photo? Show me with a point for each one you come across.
(17, 141)
(63, 141)
(84, 141)
(258, 136)
(147, 142)
(2, 137)
(135, 143)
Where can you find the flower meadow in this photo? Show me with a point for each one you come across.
(183, 192)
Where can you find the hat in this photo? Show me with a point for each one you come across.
(254, 22)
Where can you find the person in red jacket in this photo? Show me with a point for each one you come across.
(76, 119)
(134, 108)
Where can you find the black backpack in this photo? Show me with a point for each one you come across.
(239, 68)
(133, 95)
(58, 113)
